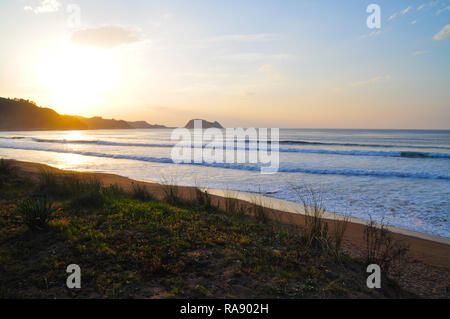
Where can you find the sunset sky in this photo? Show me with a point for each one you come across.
(305, 64)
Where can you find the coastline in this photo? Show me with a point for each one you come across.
(428, 249)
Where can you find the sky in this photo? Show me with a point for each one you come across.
(253, 63)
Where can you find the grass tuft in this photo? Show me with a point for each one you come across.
(7, 171)
(258, 210)
(36, 213)
(141, 193)
(381, 248)
(203, 199)
(315, 233)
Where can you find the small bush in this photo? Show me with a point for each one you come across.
(258, 210)
(7, 169)
(203, 198)
(87, 193)
(114, 191)
(83, 191)
(231, 204)
(140, 192)
(315, 232)
(36, 213)
(171, 194)
(381, 248)
(48, 183)
(340, 226)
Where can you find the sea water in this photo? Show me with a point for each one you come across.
(401, 176)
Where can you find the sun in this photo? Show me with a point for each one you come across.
(77, 79)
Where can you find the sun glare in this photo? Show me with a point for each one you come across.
(73, 136)
(78, 79)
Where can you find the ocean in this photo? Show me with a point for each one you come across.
(400, 176)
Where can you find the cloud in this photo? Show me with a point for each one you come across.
(420, 52)
(254, 57)
(45, 6)
(444, 33)
(402, 13)
(405, 11)
(270, 73)
(266, 68)
(447, 8)
(372, 80)
(421, 7)
(106, 36)
(259, 37)
(413, 22)
(392, 17)
(247, 93)
(371, 34)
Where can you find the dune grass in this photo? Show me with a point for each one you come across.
(382, 249)
(129, 247)
(36, 213)
(140, 192)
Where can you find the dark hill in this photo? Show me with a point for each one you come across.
(17, 115)
(205, 124)
(25, 115)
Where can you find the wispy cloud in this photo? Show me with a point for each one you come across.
(447, 8)
(444, 33)
(402, 13)
(421, 7)
(259, 37)
(405, 11)
(362, 83)
(371, 34)
(254, 56)
(270, 73)
(420, 52)
(45, 6)
(372, 80)
(106, 36)
(393, 16)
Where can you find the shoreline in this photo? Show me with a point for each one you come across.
(430, 249)
(297, 208)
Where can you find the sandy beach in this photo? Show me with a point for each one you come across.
(426, 272)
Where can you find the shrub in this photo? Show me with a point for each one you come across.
(6, 168)
(140, 192)
(48, 183)
(340, 226)
(203, 198)
(83, 191)
(86, 192)
(171, 194)
(315, 232)
(381, 248)
(36, 213)
(258, 210)
(114, 190)
(232, 204)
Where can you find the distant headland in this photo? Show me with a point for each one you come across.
(25, 115)
(205, 124)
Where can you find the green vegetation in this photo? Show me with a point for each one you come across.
(382, 249)
(7, 171)
(35, 213)
(129, 247)
(140, 192)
